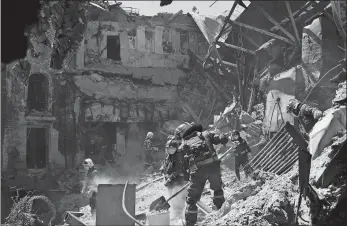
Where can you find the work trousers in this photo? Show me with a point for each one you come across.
(92, 203)
(149, 157)
(198, 178)
(240, 160)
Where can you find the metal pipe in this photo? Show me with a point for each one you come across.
(237, 47)
(261, 10)
(124, 208)
(271, 152)
(277, 156)
(261, 31)
(293, 22)
(297, 13)
(150, 182)
(264, 148)
(275, 145)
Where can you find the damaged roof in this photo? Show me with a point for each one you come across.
(211, 26)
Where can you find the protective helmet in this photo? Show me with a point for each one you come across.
(171, 146)
(182, 128)
(293, 106)
(235, 132)
(149, 135)
(88, 163)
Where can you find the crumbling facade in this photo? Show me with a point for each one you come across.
(127, 78)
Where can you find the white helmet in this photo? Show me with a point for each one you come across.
(149, 135)
(88, 162)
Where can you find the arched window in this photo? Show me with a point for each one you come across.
(38, 89)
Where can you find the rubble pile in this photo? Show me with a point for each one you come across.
(250, 204)
(71, 180)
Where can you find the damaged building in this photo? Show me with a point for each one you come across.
(131, 74)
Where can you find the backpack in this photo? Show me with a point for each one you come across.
(196, 145)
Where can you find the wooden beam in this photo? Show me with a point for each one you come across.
(204, 73)
(293, 22)
(187, 108)
(256, 45)
(275, 23)
(297, 13)
(261, 31)
(229, 64)
(226, 21)
(237, 47)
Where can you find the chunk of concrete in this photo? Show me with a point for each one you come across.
(325, 129)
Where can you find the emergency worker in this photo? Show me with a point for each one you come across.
(203, 165)
(241, 152)
(175, 176)
(173, 167)
(89, 184)
(149, 149)
(308, 116)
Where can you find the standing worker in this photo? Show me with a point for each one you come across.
(242, 150)
(149, 149)
(89, 184)
(203, 165)
(175, 176)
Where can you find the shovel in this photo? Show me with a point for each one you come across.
(162, 204)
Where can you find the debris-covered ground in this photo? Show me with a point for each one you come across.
(262, 199)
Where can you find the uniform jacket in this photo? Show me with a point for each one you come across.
(211, 138)
(174, 164)
(89, 182)
(148, 145)
(306, 117)
(242, 147)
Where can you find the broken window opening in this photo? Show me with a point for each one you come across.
(184, 42)
(113, 47)
(38, 92)
(36, 146)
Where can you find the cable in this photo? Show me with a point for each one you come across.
(328, 72)
(124, 208)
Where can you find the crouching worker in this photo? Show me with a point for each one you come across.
(307, 116)
(89, 184)
(203, 165)
(242, 150)
(175, 176)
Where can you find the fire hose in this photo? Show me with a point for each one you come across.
(124, 208)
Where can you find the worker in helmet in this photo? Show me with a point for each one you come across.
(149, 149)
(203, 165)
(175, 175)
(181, 129)
(89, 185)
(242, 150)
(307, 115)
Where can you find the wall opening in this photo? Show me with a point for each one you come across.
(38, 89)
(113, 47)
(37, 148)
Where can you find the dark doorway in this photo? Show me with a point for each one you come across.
(38, 92)
(113, 48)
(36, 156)
(111, 132)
